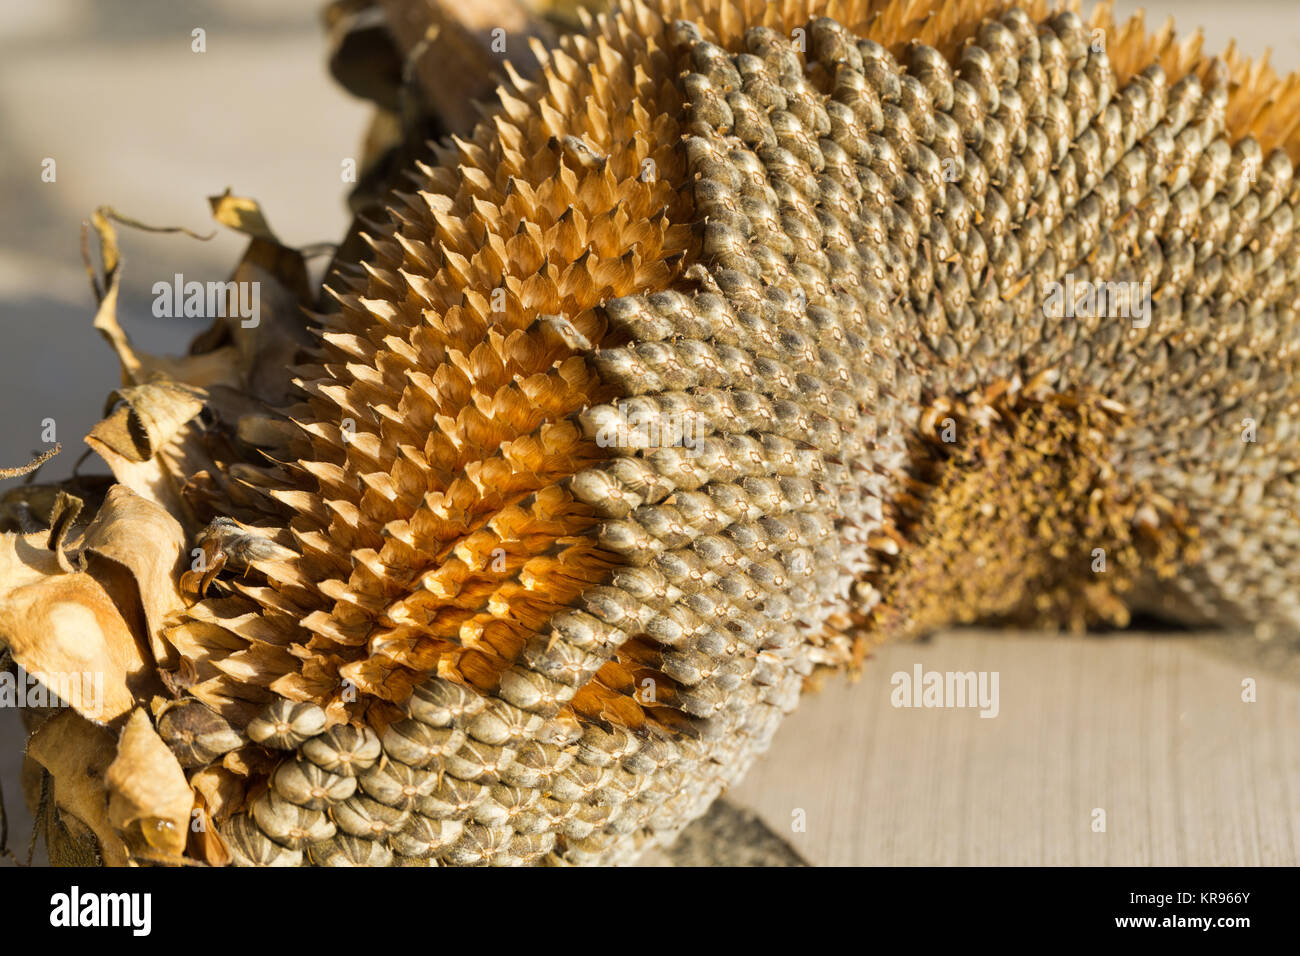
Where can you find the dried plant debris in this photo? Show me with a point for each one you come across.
(66, 763)
(737, 338)
(31, 467)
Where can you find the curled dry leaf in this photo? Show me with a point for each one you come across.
(63, 518)
(217, 794)
(149, 798)
(242, 215)
(141, 419)
(150, 479)
(204, 842)
(146, 442)
(144, 540)
(28, 508)
(76, 754)
(362, 56)
(221, 791)
(140, 367)
(267, 328)
(66, 630)
(151, 442)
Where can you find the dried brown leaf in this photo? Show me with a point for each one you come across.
(149, 479)
(66, 630)
(28, 508)
(149, 797)
(140, 367)
(142, 538)
(242, 215)
(221, 790)
(279, 338)
(149, 416)
(204, 842)
(76, 754)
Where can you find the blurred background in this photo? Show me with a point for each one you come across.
(1151, 728)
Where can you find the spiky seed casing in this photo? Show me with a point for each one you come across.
(538, 630)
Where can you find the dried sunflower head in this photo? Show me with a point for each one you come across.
(741, 336)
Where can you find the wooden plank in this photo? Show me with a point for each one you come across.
(1150, 728)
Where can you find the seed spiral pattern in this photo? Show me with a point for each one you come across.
(504, 627)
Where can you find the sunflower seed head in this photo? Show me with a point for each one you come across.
(836, 266)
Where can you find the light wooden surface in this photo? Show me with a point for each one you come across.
(1151, 729)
